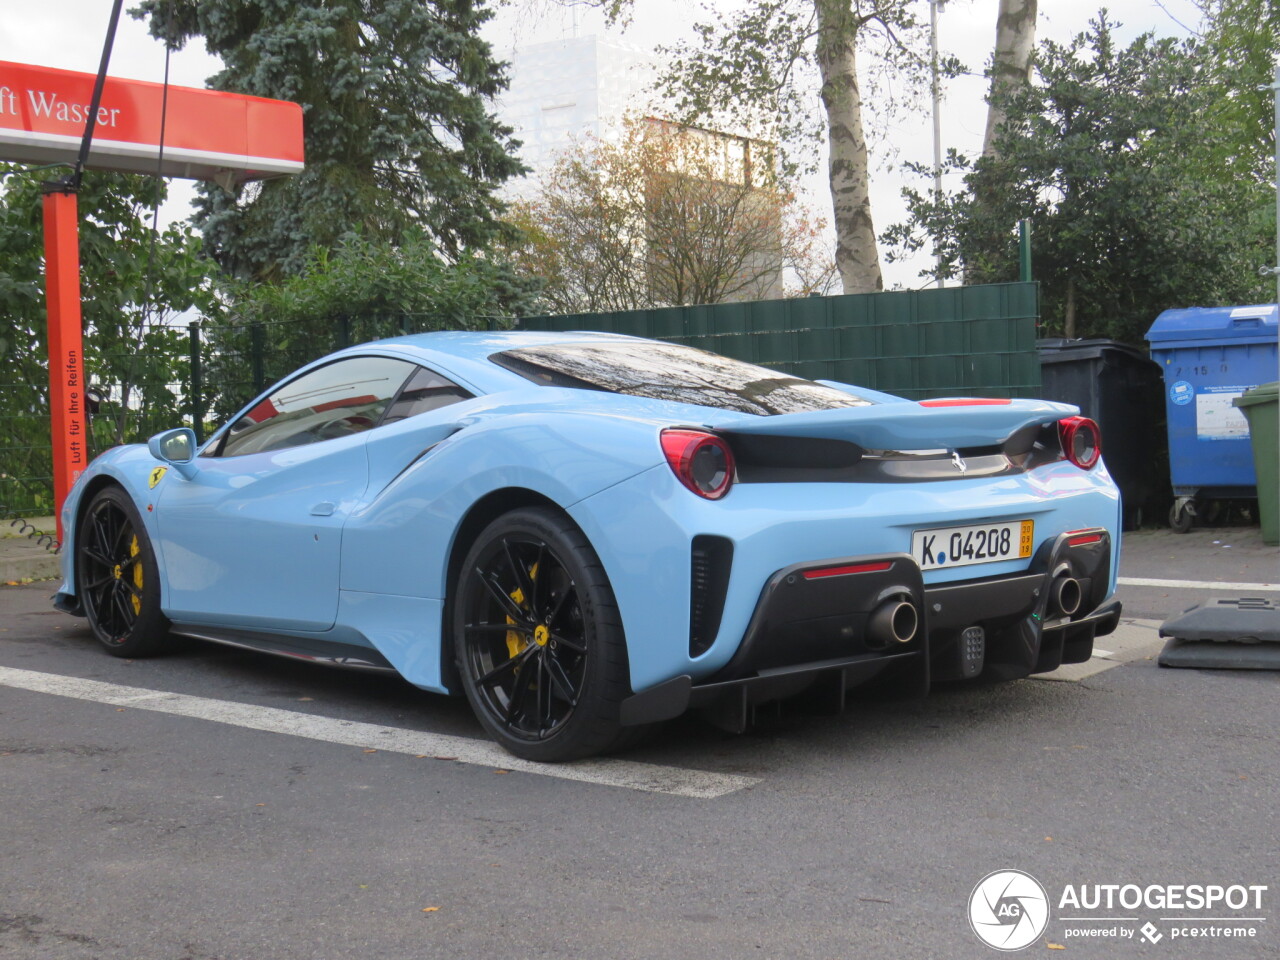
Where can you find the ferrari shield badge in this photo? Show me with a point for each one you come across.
(156, 476)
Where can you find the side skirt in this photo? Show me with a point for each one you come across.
(323, 652)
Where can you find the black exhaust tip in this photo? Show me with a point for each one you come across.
(1065, 595)
(894, 621)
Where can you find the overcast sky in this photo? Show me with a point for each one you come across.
(69, 34)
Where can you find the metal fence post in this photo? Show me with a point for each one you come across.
(1024, 251)
(197, 382)
(255, 356)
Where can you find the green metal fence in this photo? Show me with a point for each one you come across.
(917, 344)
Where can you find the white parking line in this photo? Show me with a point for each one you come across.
(1196, 584)
(679, 782)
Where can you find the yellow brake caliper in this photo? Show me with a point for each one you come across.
(134, 550)
(515, 642)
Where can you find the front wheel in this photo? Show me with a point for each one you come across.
(117, 579)
(539, 640)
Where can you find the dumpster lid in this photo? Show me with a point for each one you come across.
(1262, 393)
(1061, 350)
(1256, 323)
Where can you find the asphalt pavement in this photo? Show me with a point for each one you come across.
(221, 805)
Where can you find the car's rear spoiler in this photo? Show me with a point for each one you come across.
(903, 425)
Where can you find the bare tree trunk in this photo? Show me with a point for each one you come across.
(1011, 64)
(856, 255)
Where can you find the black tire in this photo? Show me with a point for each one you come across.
(117, 580)
(1180, 518)
(538, 639)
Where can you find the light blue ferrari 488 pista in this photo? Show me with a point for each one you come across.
(586, 534)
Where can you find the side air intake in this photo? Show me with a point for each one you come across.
(711, 560)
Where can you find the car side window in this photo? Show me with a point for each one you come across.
(426, 390)
(336, 400)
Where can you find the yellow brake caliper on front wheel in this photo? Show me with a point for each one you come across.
(134, 550)
(515, 642)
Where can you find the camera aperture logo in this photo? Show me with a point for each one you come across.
(1008, 910)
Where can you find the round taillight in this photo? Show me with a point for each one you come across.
(1081, 441)
(701, 461)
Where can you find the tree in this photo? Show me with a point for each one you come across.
(767, 66)
(1240, 39)
(666, 215)
(767, 62)
(134, 281)
(1115, 155)
(363, 290)
(1011, 62)
(397, 123)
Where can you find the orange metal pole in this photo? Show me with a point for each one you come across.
(68, 422)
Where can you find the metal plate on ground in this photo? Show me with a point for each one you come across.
(1235, 634)
(1214, 655)
(1238, 620)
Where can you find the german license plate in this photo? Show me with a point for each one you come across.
(976, 543)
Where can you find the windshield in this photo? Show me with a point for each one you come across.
(665, 371)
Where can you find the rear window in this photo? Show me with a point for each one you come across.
(664, 371)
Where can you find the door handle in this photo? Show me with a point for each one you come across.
(324, 509)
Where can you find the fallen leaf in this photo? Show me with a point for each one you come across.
(1055, 946)
(305, 699)
(119, 709)
(430, 909)
(502, 771)
(446, 758)
(364, 886)
(1048, 839)
(371, 751)
(259, 804)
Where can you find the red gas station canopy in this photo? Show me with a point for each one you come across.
(139, 127)
(207, 134)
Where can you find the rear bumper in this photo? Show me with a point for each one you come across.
(813, 625)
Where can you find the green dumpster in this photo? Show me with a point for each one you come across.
(1261, 407)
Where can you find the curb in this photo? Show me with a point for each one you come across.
(38, 564)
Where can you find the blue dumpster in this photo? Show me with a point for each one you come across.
(1210, 356)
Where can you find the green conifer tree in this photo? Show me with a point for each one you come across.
(398, 127)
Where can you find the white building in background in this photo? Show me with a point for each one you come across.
(562, 91)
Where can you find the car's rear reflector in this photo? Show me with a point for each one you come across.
(1083, 539)
(842, 571)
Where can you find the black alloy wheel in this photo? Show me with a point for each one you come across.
(539, 640)
(117, 580)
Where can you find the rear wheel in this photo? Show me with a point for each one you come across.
(117, 579)
(539, 639)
